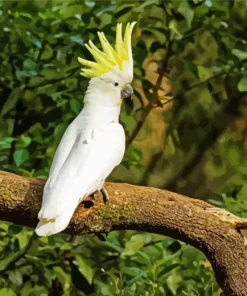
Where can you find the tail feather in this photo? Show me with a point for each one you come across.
(57, 210)
(50, 226)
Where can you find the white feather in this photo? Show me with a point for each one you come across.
(91, 147)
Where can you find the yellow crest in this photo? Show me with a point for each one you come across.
(109, 57)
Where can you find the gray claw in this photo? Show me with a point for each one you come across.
(105, 195)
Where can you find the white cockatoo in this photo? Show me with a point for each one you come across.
(94, 143)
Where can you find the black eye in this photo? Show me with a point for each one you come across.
(116, 84)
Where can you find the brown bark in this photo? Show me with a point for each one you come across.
(214, 231)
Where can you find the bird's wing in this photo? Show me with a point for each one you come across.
(88, 163)
(63, 149)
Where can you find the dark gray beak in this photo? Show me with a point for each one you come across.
(127, 92)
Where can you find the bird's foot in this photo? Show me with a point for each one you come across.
(105, 195)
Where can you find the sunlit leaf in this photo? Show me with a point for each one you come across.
(242, 85)
(185, 9)
(25, 140)
(7, 292)
(242, 55)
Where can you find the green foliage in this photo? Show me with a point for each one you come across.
(197, 145)
(233, 199)
(126, 263)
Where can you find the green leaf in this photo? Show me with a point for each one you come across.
(63, 277)
(168, 268)
(85, 268)
(242, 55)
(208, 3)
(140, 8)
(27, 289)
(191, 67)
(187, 12)
(29, 65)
(40, 291)
(47, 53)
(159, 36)
(20, 156)
(77, 39)
(157, 13)
(132, 271)
(173, 26)
(11, 101)
(7, 292)
(242, 85)
(22, 239)
(89, 3)
(8, 259)
(25, 140)
(123, 10)
(133, 245)
(29, 69)
(15, 277)
(37, 43)
(75, 105)
(204, 73)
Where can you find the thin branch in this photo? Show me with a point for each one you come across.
(212, 230)
(199, 84)
(153, 103)
(154, 98)
(181, 94)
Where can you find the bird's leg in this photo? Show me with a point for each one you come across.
(105, 195)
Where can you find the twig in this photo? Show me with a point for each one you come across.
(181, 94)
(154, 98)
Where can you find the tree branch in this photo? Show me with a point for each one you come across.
(214, 231)
(181, 94)
(153, 103)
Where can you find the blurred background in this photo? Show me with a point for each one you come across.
(186, 131)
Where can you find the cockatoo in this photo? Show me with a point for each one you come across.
(94, 143)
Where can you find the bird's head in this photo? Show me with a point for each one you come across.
(112, 71)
